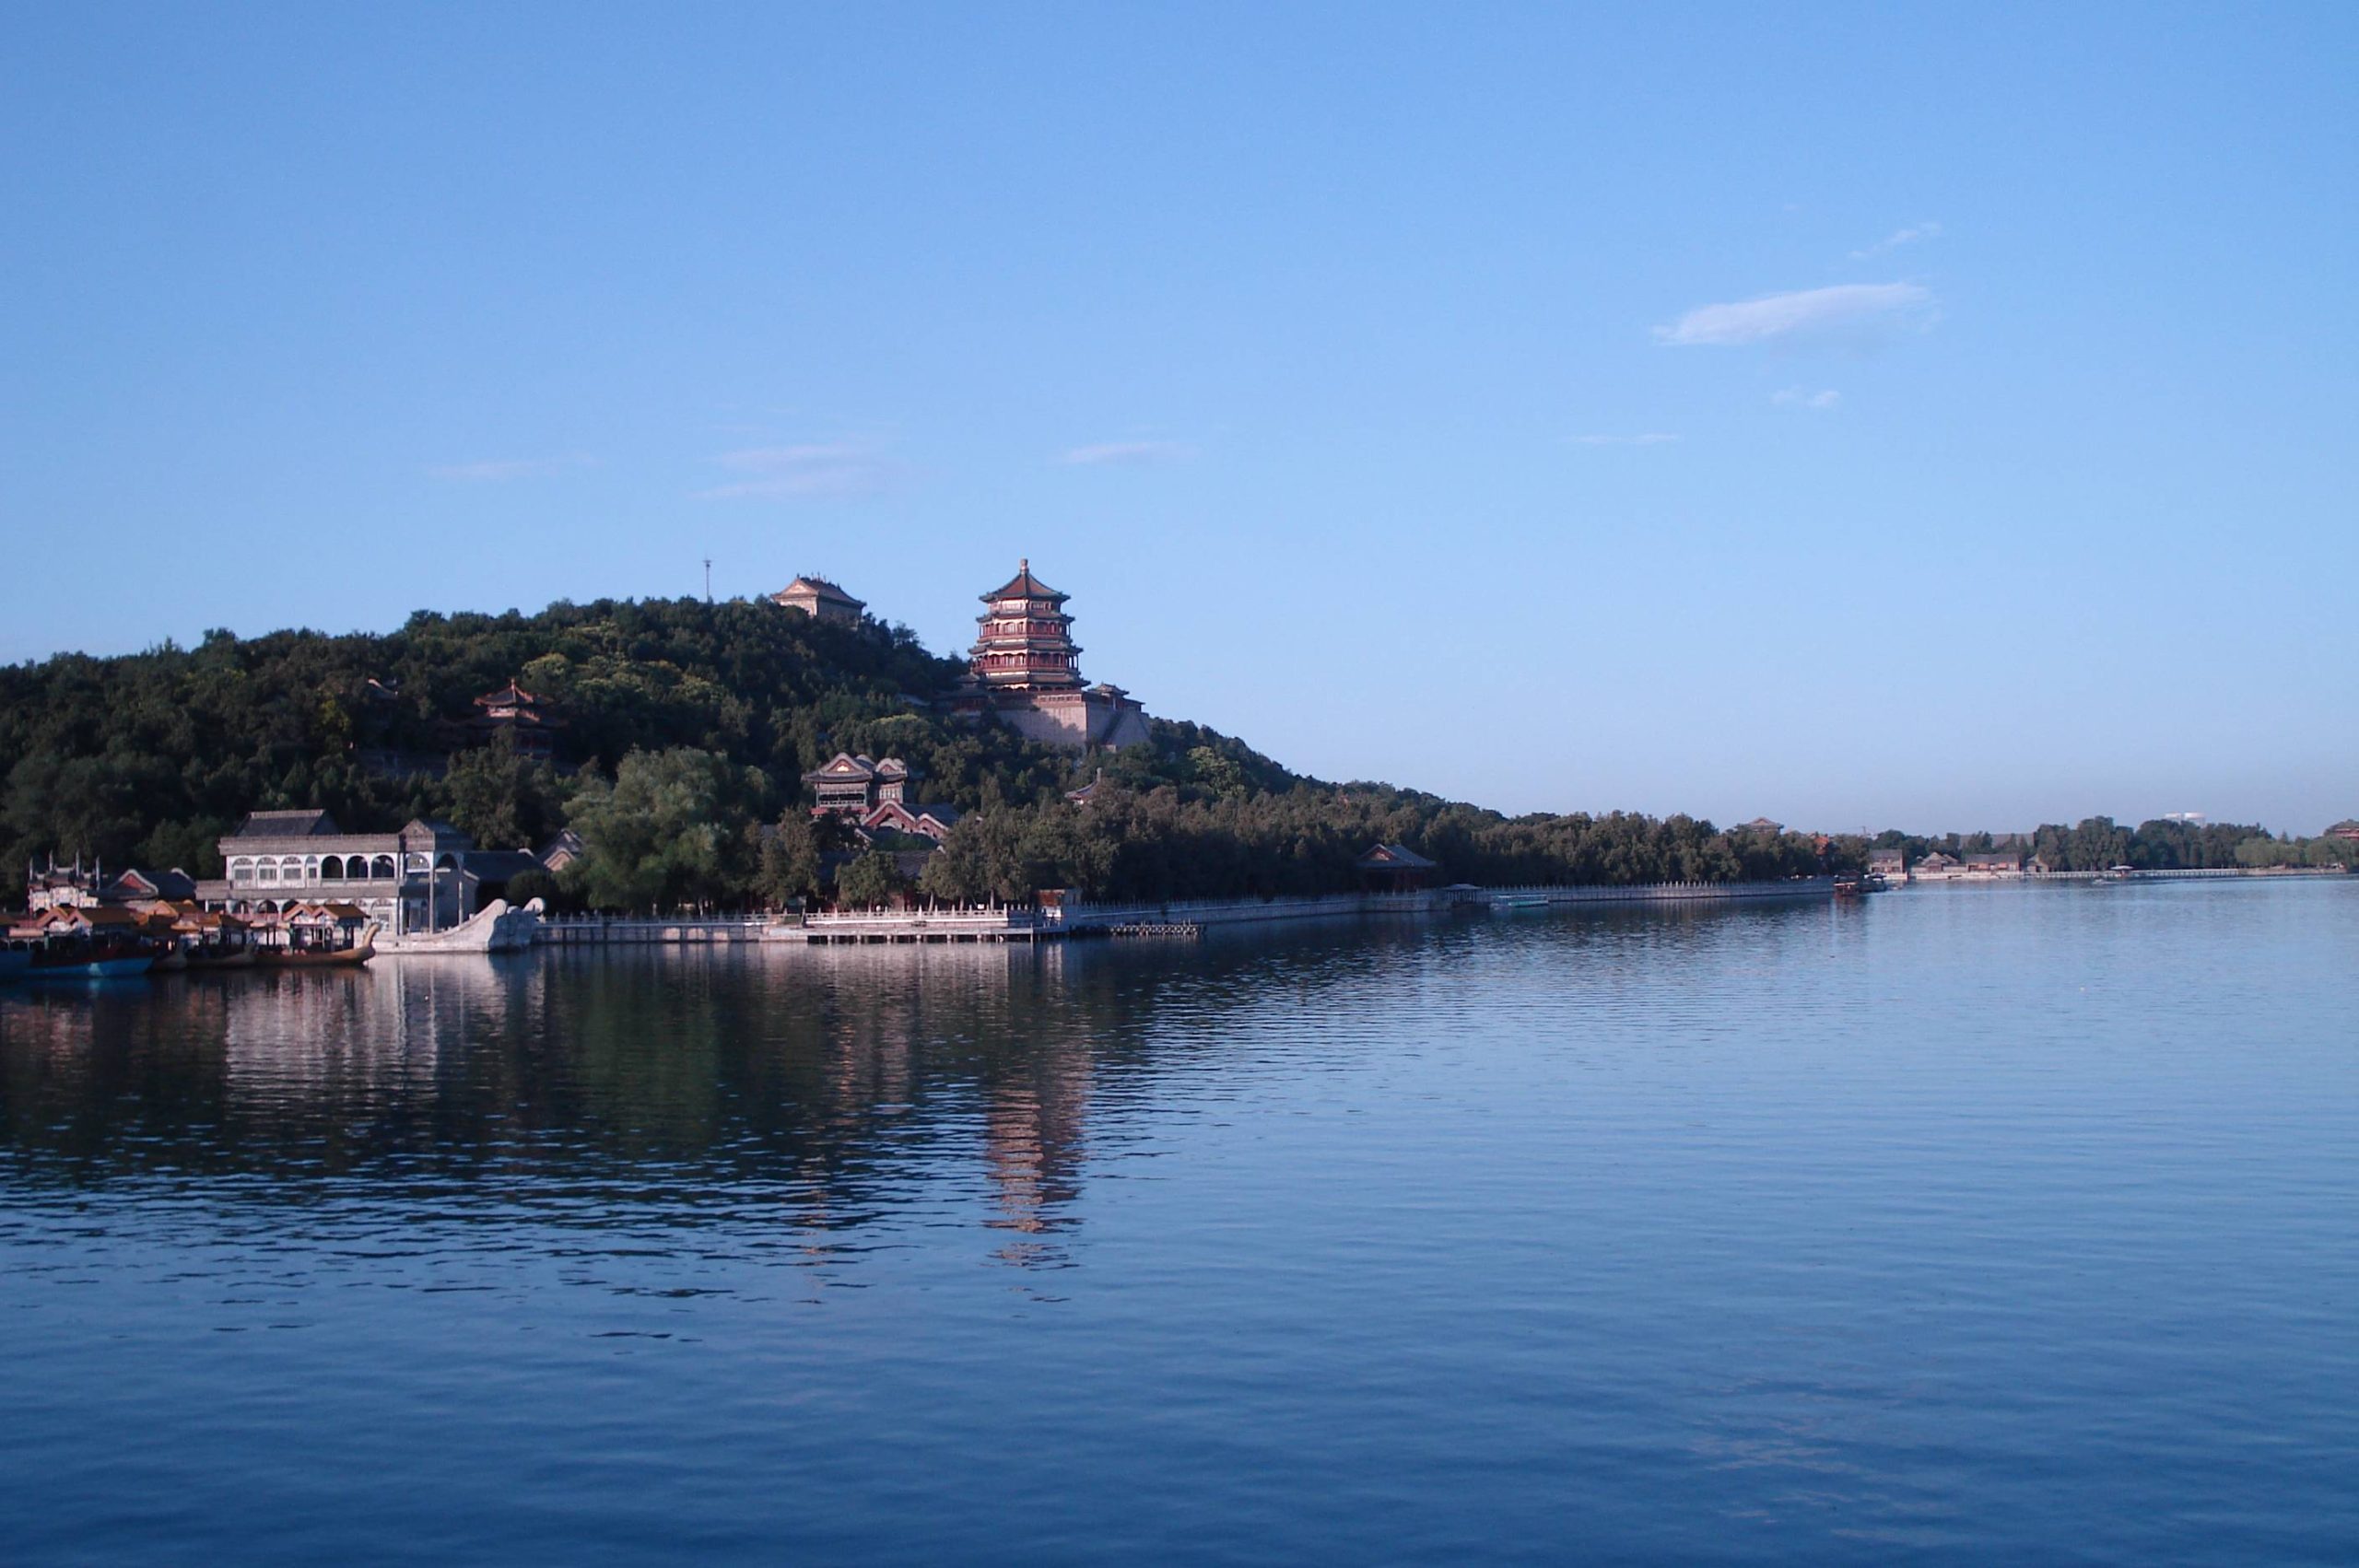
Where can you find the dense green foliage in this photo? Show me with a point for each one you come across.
(1170, 841)
(686, 727)
(871, 879)
(667, 833)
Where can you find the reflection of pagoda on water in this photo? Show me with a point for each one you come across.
(1035, 1137)
(931, 1055)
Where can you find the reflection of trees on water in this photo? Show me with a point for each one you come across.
(834, 1085)
(832, 1088)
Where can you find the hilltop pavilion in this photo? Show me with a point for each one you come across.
(820, 600)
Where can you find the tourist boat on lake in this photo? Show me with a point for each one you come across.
(75, 958)
(87, 942)
(219, 958)
(205, 940)
(307, 936)
(199, 957)
(315, 957)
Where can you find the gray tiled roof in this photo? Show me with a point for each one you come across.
(819, 587)
(310, 823)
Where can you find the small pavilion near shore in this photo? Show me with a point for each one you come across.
(1394, 868)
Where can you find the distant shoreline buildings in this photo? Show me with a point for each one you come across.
(285, 866)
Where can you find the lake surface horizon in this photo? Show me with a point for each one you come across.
(1963, 1224)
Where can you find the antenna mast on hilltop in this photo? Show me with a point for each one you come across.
(708, 580)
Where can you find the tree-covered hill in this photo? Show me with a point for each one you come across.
(686, 726)
(150, 756)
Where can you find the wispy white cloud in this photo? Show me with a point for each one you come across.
(806, 471)
(1808, 312)
(1643, 438)
(495, 470)
(1129, 452)
(1912, 235)
(1802, 397)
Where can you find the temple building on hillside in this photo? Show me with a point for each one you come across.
(853, 786)
(873, 797)
(520, 714)
(1025, 672)
(820, 600)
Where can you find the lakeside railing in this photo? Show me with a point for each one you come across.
(564, 930)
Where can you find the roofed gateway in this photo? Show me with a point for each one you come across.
(1025, 672)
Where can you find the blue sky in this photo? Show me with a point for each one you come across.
(1859, 416)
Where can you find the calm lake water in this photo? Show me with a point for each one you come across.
(1969, 1225)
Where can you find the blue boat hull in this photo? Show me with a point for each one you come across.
(93, 969)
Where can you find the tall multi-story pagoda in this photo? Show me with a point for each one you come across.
(1025, 671)
(1026, 637)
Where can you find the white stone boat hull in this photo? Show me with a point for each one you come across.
(497, 927)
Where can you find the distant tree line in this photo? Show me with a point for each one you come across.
(2099, 843)
(1140, 840)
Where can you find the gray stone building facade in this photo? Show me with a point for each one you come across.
(417, 879)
